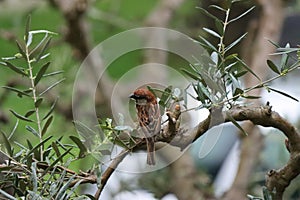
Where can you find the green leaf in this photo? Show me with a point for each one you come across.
(235, 42)
(19, 92)
(7, 144)
(275, 44)
(207, 44)
(32, 130)
(47, 124)
(30, 146)
(165, 96)
(284, 62)
(52, 86)
(235, 123)
(16, 69)
(37, 147)
(204, 90)
(53, 73)
(83, 129)
(29, 113)
(81, 146)
(21, 50)
(56, 161)
(207, 13)
(220, 27)
(51, 109)
(20, 116)
(273, 67)
(38, 102)
(283, 93)
(218, 8)
(63, 190)
(55, 147)
(251, 97)
(43, 50)
(242, 15)
(200, 95)
(27, 29)
(72, 190)
(234, 81)
(240, 74)
(41, 73)
(247, 67)
(211, 32)
(34, 177)
(190, 74)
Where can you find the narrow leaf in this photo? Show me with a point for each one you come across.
(63, 190)
(208, 44)
(276, 45)
(56, 161)
(47, 124)
(20, 116)
(19, 92)
(247, 67)
(7, 144)
(218, 8)
(220, 27)
(21, 50)
(55, 147)
(52, 86)
(29, 113)
(34, 178)
(41, 73)
(235, 42)
(213, 33)
(36, 147)
(53, 73)
(207, 13)
(283, 62)
(83, 129)
(236, 124)
(38, 102)
(43, 50)
(72, 190)
(240, 74)
(273, 67)
(283, 93)
(251, 97)
(27, 28)
(81, 146)
(16, 69)
(32, 130)
(190, 74)
(242, 15)
(51, 109)
(14, 130)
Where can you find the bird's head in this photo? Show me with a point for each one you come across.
(143, 96)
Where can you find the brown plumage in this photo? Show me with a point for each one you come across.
(149, 119)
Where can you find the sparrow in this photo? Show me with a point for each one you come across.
(149, 119)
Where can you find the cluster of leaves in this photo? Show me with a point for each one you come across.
(36, 170)
(218, 76)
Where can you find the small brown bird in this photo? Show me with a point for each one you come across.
(149, 119)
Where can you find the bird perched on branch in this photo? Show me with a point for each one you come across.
(149, 119)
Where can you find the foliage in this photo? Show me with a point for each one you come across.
(38, 170)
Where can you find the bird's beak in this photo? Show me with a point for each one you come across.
(132, 96)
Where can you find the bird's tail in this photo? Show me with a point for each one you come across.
(150, 151)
